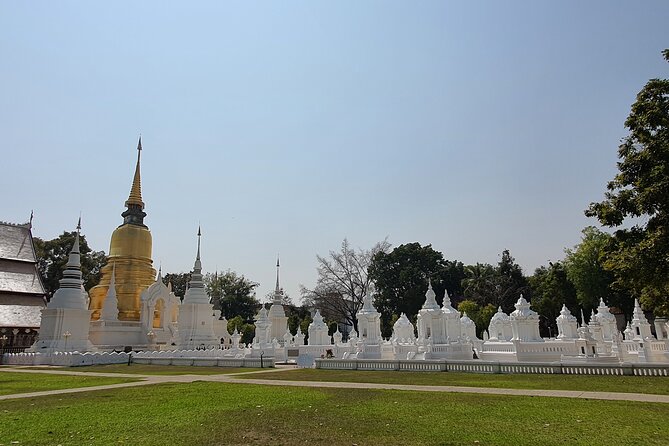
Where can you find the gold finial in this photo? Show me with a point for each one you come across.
(136, 190)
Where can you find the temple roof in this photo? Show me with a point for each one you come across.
(21, 289)
(18, 265)
(20, 310)
(20, 277)
(16, 242)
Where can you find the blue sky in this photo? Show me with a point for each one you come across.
(284, 127)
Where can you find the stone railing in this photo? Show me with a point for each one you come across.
(66, 359)
(477, 366)
(202, 358)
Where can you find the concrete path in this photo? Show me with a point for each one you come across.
(232, 379)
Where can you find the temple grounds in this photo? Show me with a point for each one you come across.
(221, 413)
(12, 383)
(626, 384)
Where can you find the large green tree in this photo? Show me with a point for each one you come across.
(480, 316)
(401, 279)
(235, 293)
(500, 285)
(52, 255)
(551, 288)
(639, 196)
(179, 283)
(586, 269)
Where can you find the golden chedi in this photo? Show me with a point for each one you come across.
(130, 254)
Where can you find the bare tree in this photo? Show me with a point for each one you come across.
(343, 282)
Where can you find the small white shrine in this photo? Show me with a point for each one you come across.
(65, 320)
(196, 315)
(277, 315)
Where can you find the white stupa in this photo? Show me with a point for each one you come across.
(277, 315)
(318, 331)
(196, 320)
(65, 320)
(567, 324)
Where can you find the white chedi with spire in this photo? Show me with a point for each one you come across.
(65, 321)
(567, 324)
(467, 327)
(403, 331)
(430, 320)
(277, 314)
(369, 322)
(639, 324)
(196, 320)
(499, 328)
(318, 331)
(525, 322)
(607, 321)
(110, 305)
(263, 329)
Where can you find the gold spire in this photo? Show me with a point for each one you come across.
(135, 197)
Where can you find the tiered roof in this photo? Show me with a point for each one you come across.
(22, 294)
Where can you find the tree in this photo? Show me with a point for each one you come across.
(243, 328)
(480, 283)
(500, 285)
(401, 279)
(585, 268)
(480, 316)
(235, 293)
(640, 191)
(52, 255)
(179, 283)
(343, 282)
(551, 288)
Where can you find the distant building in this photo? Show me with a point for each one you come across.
(22, 294)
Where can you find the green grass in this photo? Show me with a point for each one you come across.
(16, 382)
(633, 384)
(146, 369)
(203, 413)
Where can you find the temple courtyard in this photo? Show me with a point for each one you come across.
(146, 405)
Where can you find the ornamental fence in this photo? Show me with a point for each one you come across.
(477, 366)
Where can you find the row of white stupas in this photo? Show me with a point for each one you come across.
(166, 323)
(443, 333)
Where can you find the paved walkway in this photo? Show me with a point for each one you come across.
(232, 379)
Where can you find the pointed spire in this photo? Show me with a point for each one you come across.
(430, 301)
(195, 292)
(75, 247)
(278, 294)
(135, 197)
(110, 305)
(70, 292)
(199, 235)
(277, 289)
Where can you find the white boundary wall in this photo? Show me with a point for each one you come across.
(211, 358)
(476, 366)
(65, 359)
(201, 358)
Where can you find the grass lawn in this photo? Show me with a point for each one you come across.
(13, 382)
(203, 413)
(636, 384)
(146, 369)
